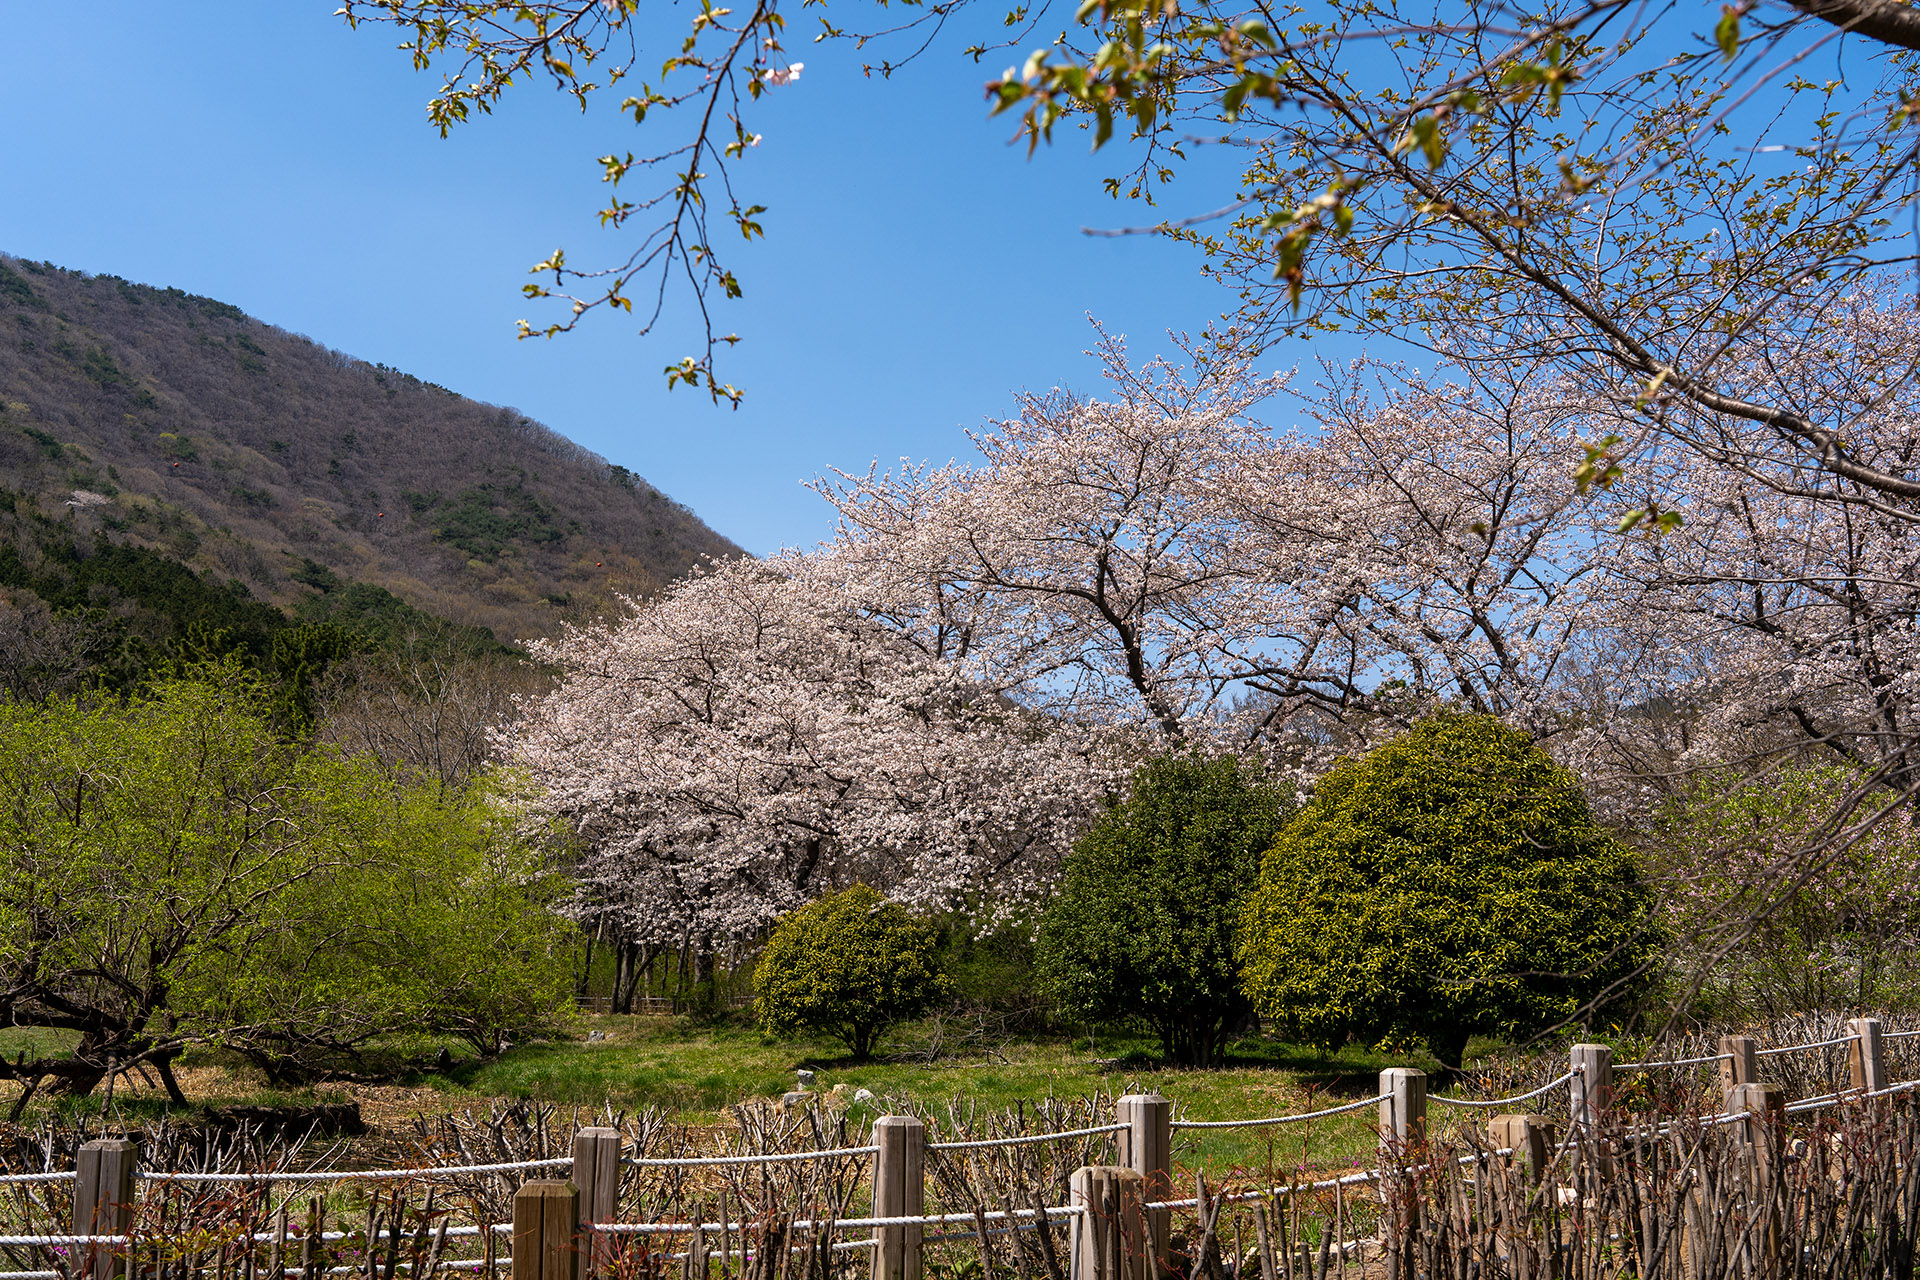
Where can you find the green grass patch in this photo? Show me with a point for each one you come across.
(696, 1070)
(37, 1042)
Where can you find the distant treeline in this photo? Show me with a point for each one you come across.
(88, 612)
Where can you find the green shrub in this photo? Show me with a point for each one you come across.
(989, 964)
(850, 965)
(175, 875)
(1450, 882)
(1835, 929)
(1144, 924)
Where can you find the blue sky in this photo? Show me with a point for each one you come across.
(917, 270)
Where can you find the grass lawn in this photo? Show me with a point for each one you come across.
(36, 1042)
(695, 1070)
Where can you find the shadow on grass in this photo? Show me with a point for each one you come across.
(688, 1065)
(1348, 1070)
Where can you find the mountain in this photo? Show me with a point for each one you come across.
(162, 428)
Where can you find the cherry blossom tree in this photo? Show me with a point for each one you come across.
(1158, 560)
(1090, 564)
(934, 700)
(1787, 595)
(753, 737)
(1426, 544)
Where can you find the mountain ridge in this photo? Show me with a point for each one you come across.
(161, 419)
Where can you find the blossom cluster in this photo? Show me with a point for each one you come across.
(934, 700)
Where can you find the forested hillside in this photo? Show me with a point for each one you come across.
(145, 432)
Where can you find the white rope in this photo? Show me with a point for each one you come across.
(945, 1236)
(1266, 1193)
(940, 1219)
(446, 1264)
(1548, 1087)
(838, 1246)
(1671, 1062)
(1293, 1188)
(50, 1240)
(1795, 1048)
(1705, 1122)
(829, 1224)
(68, 1176)
(1486, 1155)
(1845, 1095)
(1898, 1035)
(436, 1171)
(1022, 1141)
(1251, 1124)
(688, 1162)
(32, 1275)
(267, 1237)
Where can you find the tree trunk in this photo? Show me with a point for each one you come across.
(1449, 1044)
(586, 967)
(164, 1066)
(623, 978)
(80, 1075)
(705, 989)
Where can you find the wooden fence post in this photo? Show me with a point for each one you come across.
(1866, 1056)
(1403, 1108)
(1146, 1147)
(1764, 1132)
(1530, 1138)
(596, 1172)
(1590, 1092)
(899, 1191)
(1765, 1105)
(103, 1204)
(1108, 1235)
(1737, 1065)
(546, 1213)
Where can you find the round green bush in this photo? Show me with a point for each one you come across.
(850, 965)
(1145, 920)
(1450, 882)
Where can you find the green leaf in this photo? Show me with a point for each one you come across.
(1726, 32)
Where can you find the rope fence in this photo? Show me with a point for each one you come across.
(835, 1224)
(547, 1200)
(1024, 1139)
(1018, 1219)
(783, 1157)
(775, 1157)
(337, 1175)
(1671, 1062)
(1310, 1115)
(1546, 1088)
(1798, 1048)
(1272, 1193)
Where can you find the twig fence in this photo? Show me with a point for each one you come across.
(1118, 1216)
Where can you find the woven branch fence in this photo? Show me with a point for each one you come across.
(1690, 1167)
